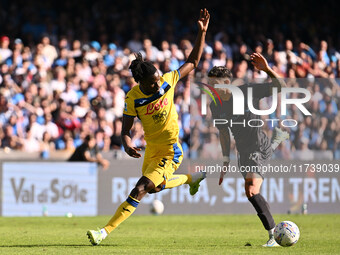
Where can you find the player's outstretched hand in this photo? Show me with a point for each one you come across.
(259, 62)
(203, 21)
(132, 152)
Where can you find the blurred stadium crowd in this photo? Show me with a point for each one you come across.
(64, 68)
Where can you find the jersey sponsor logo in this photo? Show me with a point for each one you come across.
(159, 117)
(152, 107)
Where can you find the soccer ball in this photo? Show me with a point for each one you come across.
(157, 207)
(286, 233)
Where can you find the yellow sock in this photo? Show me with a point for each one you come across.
(177, 180)
(123, 212)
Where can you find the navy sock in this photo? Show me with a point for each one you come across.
(263, 211)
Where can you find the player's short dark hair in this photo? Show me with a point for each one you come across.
(89, 137)
(141, 69)
(220, 72)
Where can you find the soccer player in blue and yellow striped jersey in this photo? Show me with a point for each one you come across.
(152, 101)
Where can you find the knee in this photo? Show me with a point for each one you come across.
(155, 190)
(143, 186)
(251, 189)
(139, 190)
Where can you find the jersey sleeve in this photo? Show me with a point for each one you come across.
(172, 77)
(129, 106)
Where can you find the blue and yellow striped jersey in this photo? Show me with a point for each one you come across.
(157, 112)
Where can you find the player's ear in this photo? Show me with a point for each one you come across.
(227, 81)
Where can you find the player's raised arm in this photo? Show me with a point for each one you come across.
(196, 53)
(126, 137)
(261, 63)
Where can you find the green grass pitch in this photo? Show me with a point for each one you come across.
(166, 234)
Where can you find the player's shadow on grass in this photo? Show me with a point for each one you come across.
(52, 245)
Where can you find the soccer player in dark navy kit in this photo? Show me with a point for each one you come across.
(253, 146)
